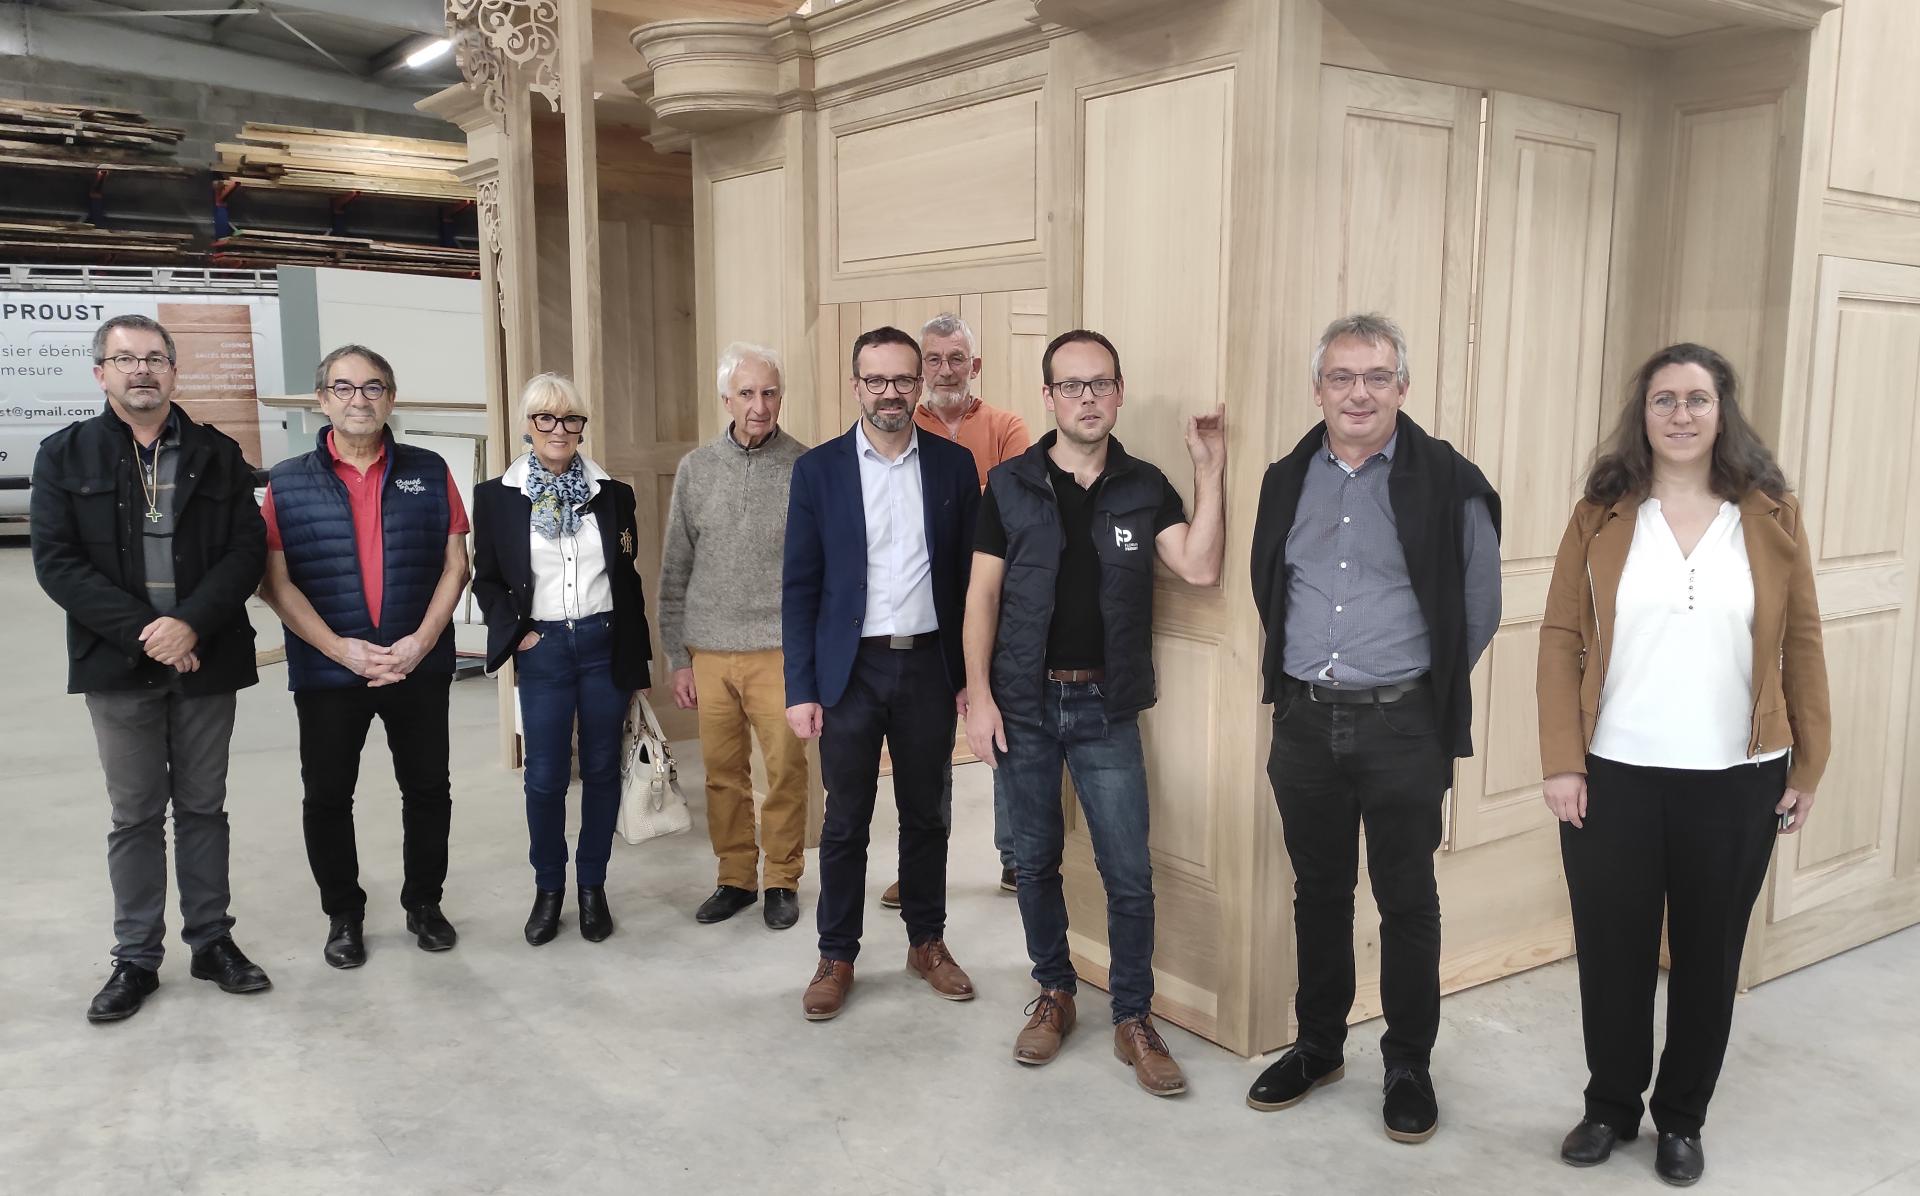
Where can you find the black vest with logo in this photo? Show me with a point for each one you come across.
(1124, 503)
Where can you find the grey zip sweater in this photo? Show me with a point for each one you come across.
(726, 531)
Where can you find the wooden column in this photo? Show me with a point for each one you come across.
(583, 201)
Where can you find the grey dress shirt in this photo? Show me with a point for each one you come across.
(1352, 616)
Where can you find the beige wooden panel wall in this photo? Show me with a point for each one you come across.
(1721, 244)
(1157, 169)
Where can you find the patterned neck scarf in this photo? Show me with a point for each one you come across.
(556, 497)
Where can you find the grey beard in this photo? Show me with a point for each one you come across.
(941, 403)
(890, 421)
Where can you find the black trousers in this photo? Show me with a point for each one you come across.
(1691, 843)
(333, 730)
(1335, 769)
(901, 697)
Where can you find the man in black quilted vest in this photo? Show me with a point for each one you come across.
(366, 560)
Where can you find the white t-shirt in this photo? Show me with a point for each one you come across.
(1679, 690)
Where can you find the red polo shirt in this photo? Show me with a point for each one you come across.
(363, 496)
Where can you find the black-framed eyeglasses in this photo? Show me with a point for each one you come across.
(902, 384)
(344, 390)
(1341, 381)
(1073, 388)
(546, 422)
(1664, 405)
(156, 363)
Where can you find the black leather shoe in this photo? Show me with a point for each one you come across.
(224, 964)
(725, 902)
(1679, 1161)
(1007, 882)
(544, 922)
(345, 946)
(125, 991)
(1590, 1143)
(782, 909)
(1288, 1081)
(431, 929)
(596, 920)
(1410, 1110)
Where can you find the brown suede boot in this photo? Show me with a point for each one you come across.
(1051, 1018)
(827, 993)
(932, 962)
(1138, 1045)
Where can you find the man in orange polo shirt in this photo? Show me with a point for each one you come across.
(950, 358)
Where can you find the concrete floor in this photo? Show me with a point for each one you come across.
(673, 1057)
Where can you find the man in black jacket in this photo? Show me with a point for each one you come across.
(1376, 570)
(146, 533)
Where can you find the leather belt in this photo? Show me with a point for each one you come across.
(1379, 695)
(925, 639)
(1077, 676)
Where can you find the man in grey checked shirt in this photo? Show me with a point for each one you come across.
(1376, 568)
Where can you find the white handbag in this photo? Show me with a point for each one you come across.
(651, 803)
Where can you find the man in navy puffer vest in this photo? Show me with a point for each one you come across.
(367, 558)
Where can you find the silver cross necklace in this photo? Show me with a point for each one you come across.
(150, 484)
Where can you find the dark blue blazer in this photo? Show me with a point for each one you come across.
(824, 581)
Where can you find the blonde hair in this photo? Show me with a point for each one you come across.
(550, 394)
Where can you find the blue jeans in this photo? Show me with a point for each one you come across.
(1110, 779)
(569, 673)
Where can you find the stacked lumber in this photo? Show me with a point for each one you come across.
(68, 239)
(263, 247)
(75, 136)
(288, 156)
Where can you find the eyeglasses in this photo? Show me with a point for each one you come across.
(547, 422)
(345, 390)
(955, 361)
(1073, 388)
(1698, 404)
(156, 363)
(1378, 381)
(902, 385)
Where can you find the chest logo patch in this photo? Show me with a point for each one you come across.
(410, 485)
(1122, 538)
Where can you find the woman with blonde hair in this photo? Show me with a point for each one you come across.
(1683, 721)
(555, 538)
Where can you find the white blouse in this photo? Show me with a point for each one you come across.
(1679, 689)
(569, 573)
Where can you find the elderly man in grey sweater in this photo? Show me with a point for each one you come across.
(720, 622)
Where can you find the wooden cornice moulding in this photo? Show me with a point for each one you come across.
(708, 75)
(1085, 14)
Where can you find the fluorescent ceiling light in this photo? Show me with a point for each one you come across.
(429, 52)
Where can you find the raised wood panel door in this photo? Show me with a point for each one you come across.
(1156, 173)
(1536, 414)
(1843, 880)
(1398, 166)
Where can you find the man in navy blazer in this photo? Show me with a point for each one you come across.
(878, 548)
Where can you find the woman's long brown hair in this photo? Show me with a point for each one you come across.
(1742, 463)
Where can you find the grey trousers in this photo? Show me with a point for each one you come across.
(156, 748)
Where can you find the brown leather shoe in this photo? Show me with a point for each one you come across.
(932, 962)
(827, 993)
(1051, 1017)
(1138, 1045)
(891, 898)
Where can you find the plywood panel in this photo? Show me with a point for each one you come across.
(1876, 361)
(676, 374)
(1181, 815)
(1720, 249)
(955, 186)
(1402, 248)
(1535, 413)
(749, 252)
(1864, 503)
(1158, 162)
(1876, 141)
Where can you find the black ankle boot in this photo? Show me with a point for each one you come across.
(544, 922)
(596, 920)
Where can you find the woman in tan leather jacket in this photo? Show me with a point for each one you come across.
(1683, 722)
